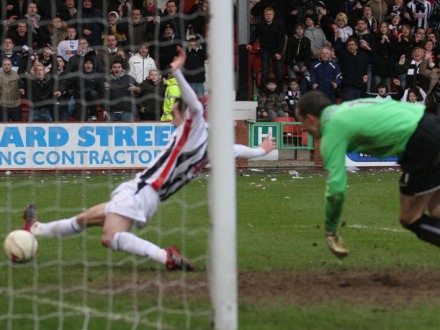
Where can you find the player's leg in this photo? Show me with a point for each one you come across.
(115, 235)
(93, 216)
(420, 180)
(434, 205)
(414, 218)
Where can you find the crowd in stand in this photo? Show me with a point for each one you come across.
(89, 60)
(348, 49)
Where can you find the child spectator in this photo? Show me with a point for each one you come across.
(298, 56)
(292, 96)
(271, 103)
(395, 26)
(414, 95)
(382, 91)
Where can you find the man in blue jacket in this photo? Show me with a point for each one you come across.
(325, 75)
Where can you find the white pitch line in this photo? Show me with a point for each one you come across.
(398, 230)
(356, 226)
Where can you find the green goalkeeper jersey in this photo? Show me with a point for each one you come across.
(378, 127)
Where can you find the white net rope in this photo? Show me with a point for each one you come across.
(76, 283)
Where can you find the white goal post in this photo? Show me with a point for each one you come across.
(222, 193)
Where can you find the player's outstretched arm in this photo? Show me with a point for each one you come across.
(178, 60)
(268, 144)
(265, 147)
(188, 94)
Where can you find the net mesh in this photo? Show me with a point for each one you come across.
(74, 282)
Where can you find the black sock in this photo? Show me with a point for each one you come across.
(427, 229)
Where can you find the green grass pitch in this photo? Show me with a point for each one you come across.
(287, 277)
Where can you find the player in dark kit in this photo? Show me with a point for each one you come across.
(381, 128)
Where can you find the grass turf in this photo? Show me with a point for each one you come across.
(75, 283)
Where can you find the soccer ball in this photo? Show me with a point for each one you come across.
(20, 246)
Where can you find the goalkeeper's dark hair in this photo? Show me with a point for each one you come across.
(313, 103)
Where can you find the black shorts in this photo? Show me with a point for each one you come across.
(421, 160)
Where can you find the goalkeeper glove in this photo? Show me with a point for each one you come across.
(336, 244)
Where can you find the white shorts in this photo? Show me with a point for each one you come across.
(139, 207)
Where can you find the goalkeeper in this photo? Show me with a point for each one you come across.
(133, 203)
(381, 128)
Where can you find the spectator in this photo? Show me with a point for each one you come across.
(434, 20)
(325, 75)
(354, 63)
(68, 47)
(172, 93)
(152, 93)
(88, 91)
(166, 49)
(109, 53)
(272, 40)
(341, 28)
(38, 31)
(65, 105)
(428, 46)
(384, 61)
(49, 9)
(28, 60)
(46, 58)
(171, 16)
(150, 11)
(292, 96)
(119, 98)
(419, 37)
(271, 102)
(382, 90)
(141, 64)
(194, 68)
(280, 8)
(316, 35)
(370, 18)
(400, 9)
(199, 21)
(57, 31)
(436, 46)
(11, 90)
(91, 24)
(136, 29)
(432, 100)
(19, 35)
(121, 55)
(410, 68)
(40, 93)
(298, 56)
(366, 41)
(395, 27)
(295, 14)
(70, 13)
(84, 51)
(113, 18)
(405, 42)
(17, 8)
(421, 10)
(8, 52)
(414, 95)
(379, 10)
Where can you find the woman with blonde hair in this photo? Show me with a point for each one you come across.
(342, 29)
